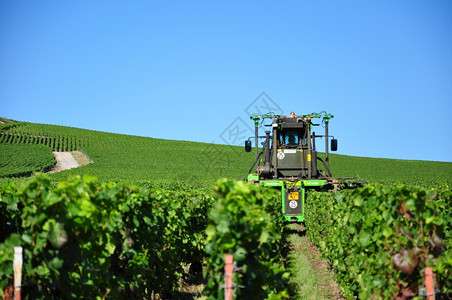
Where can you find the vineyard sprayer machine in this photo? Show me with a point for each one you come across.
(289, 160)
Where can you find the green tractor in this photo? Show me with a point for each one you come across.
(289, 160)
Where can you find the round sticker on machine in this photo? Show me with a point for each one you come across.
(280, 155)
(293, 204)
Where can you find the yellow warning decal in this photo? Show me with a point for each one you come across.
(309, 157)
(294, 196)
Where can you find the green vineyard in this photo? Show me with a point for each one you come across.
(380, 238)
(136, 160)
(22, 160)
(148, 215)
(57, 138)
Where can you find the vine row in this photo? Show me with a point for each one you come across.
(380, 238)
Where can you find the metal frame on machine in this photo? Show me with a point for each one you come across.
(300, 185)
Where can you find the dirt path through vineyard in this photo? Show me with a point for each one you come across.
(69, 160)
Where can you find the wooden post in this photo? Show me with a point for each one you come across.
(17, 272)
(429, 286)
(228, 272)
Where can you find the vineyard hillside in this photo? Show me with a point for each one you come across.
(148, 161)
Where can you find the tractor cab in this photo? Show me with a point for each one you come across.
(289, 150)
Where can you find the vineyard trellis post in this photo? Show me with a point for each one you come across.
(17, 263)
(429, 285)
(228, 273)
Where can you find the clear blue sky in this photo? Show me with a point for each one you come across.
(192, 70)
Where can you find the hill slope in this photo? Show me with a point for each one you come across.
(134, 159)
(147, 161)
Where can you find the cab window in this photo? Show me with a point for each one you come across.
(289, 137)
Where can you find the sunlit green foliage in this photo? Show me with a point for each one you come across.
(380, 238)
(87, 239)
(246, 221)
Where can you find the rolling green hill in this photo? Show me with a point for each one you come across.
(147, 161)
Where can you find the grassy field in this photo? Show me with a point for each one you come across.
(147, 161)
